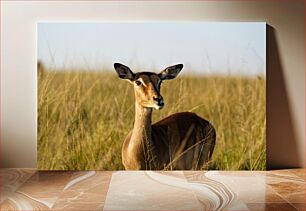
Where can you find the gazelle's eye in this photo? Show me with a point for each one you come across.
(138, 83)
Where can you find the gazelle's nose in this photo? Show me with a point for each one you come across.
(159, 100)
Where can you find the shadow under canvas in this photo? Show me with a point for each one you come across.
(281, 139)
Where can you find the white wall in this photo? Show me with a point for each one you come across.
(18, 63)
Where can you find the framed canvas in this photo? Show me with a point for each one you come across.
(151, 95)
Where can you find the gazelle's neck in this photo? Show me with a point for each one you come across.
(141, 134)
(142, 124)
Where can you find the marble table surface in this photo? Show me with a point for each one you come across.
(29, 189)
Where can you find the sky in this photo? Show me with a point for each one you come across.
(218, 48)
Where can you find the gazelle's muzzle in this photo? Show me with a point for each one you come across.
(159, 102)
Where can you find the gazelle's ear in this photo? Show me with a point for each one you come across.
(170, 72)
(123, 71)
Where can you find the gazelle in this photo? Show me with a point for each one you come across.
(182, 141)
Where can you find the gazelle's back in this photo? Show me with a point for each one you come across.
(183, 141)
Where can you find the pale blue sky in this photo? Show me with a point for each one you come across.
(203, 47)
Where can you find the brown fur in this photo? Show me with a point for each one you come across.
(182, 141)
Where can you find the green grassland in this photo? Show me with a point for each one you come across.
(83, 118)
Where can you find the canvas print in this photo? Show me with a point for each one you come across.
(151, 96)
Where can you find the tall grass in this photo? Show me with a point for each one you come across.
(83, 118)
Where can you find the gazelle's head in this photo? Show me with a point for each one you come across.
(147, 84)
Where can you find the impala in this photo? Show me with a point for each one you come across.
(182, 141)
